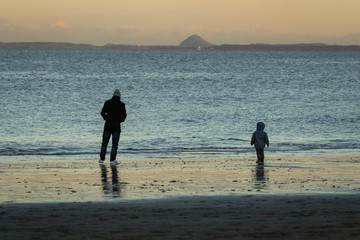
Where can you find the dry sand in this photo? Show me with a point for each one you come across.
(313, 197)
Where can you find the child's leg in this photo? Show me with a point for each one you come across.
(262, 155)
(258, 154)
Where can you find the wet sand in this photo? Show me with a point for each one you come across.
(314, 197)
(67, 179)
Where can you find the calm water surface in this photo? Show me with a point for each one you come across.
(179, 103)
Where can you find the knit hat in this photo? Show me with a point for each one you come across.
(117, 93)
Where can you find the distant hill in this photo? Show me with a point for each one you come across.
(195, 41)
(45, 45)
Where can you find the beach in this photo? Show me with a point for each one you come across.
(73, 197)
(187, 169)
(225, 217)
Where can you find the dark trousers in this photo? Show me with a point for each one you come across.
(260, 154)
(105, 141)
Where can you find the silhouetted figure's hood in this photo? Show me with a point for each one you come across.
(260, 126)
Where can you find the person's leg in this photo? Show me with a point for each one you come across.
(105, 141)
(258, 154)
(262, 155)
(114, 148)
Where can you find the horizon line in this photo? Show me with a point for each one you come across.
(172, 45)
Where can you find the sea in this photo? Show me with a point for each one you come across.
(180, 103)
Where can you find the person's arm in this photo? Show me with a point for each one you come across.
(252, 139)
(104, 112)
(123, 115)
(267, 140)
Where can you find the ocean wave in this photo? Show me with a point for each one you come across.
(275, 147)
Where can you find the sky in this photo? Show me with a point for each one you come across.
(169, 22)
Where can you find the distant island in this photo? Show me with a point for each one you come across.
(192, 42)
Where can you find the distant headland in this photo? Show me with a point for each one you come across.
(192, 42)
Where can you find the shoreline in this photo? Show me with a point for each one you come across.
(292, 197)
(69, 178)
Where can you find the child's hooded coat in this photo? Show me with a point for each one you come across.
(259, 137)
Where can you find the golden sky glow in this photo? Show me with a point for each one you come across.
(168, 22)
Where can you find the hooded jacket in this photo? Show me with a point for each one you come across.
(259, 137)
(114, 113)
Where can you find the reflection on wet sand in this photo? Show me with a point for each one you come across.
(113, 189)
(65, 179)
(260, 178)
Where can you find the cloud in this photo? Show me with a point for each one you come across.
(61, 24)
(127, 27)
(139, 35)
(351, 39)
(4, 21)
